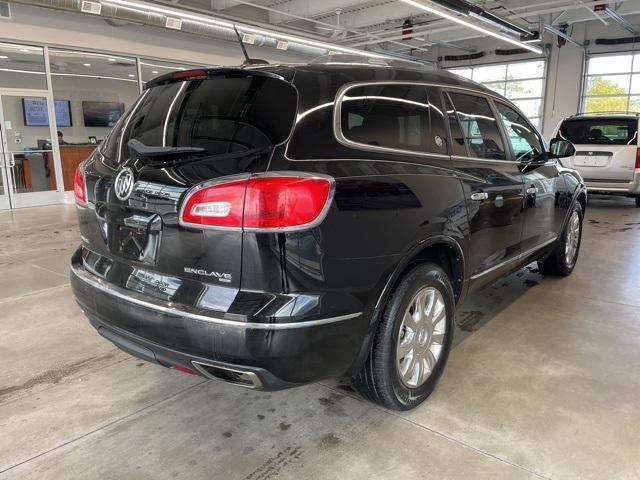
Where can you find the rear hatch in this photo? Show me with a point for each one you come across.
(606, 147)
(185, 129)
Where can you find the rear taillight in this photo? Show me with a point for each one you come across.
(219, 205)
(638, 158)
(264, 203)
(79, 188)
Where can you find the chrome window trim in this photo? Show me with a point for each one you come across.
(337, 115)
(515, 259)
(121, 294)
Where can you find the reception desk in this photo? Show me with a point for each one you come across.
(71, 156)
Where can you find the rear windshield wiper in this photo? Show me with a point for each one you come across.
(161, 152)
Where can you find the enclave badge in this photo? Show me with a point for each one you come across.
(123, 184)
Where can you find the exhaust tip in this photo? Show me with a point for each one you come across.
(233, 376)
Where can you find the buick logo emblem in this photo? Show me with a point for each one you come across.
(124, 184)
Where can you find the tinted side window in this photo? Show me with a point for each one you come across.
(390, 116)
(457, 136)
(523, 137)
(479, 126)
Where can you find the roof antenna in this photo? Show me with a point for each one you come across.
(248, 60)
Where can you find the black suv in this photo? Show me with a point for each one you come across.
(276, 225)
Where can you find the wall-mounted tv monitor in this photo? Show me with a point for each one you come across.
(36, 114)
(101, 114)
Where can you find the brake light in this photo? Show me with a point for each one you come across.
(284, 202)
(218, 205)
(264, 203)
(79, 188)
(638, 158)
(188, 75)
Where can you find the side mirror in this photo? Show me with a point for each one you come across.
(559, 148)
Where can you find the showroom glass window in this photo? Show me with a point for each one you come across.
(393, 116)
(524, 139)
(150, 68)
(521, 82)
(480, 127)
(612, 84)
(22, 66)
(97, 89)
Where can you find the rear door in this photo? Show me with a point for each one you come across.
(492, 182)
(178, 135)
(605, 147)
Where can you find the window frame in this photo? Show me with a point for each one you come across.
(584, 97)
(337, 120)
(490, 100)
(440, 89)
(543, 143)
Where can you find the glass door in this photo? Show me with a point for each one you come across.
(29, 155)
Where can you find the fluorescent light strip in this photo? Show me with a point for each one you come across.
(14, 70)
(102, 77)
(147, 8)
(477, 28)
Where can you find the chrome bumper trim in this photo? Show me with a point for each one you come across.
(123, 295)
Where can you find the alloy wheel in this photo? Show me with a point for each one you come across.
(421, 337)
(573, 238)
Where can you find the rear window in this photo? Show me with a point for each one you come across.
(220, 114)
(600, 131)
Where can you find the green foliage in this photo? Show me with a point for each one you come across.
(602, 86)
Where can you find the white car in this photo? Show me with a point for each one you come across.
(607, 152)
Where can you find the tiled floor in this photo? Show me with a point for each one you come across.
(543, 383)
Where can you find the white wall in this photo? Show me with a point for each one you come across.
(45, 26)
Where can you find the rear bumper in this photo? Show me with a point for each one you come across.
(276, 355)
(615, 187)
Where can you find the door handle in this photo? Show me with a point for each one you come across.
(12, 160)
(532, 191)
(477, 196)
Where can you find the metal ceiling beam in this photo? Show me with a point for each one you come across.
(626, 24)
(561, 34)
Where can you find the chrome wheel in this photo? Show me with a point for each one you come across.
(573, 238)
(421, 337)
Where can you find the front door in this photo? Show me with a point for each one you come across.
(545, 206)
(492, 183)
(29, 160)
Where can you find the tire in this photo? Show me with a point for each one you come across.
(638, 201)
(558, 262)
(380, 380)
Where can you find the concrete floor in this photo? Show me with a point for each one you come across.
(542, 383)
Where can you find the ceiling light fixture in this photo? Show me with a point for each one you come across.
(112, 59)
(477, 28)
(154, 71)
(185, 15)
(24, 50)
(3, 57)
(86, 64)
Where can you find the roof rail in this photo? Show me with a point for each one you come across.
(605, 112)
